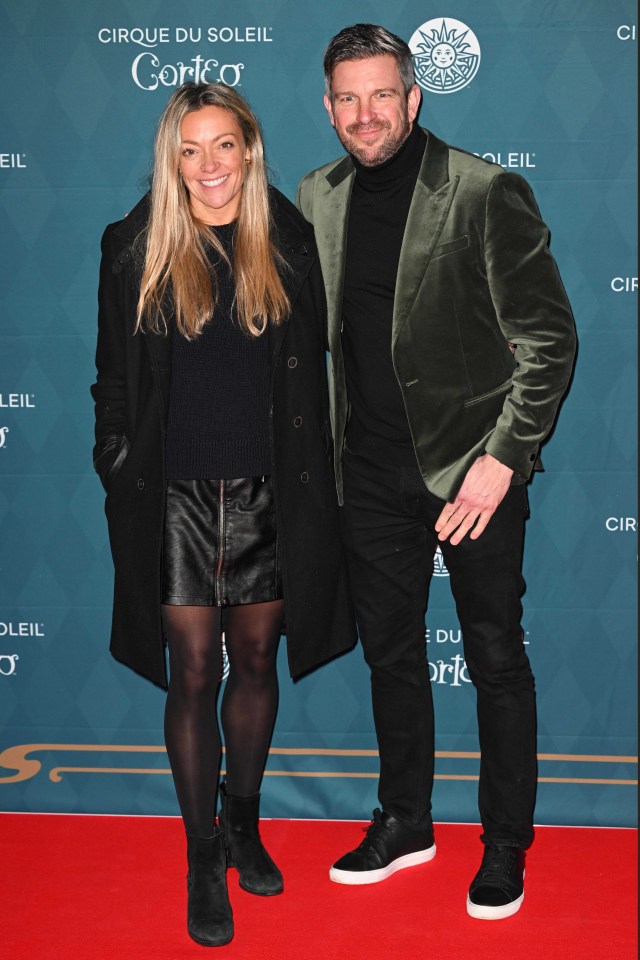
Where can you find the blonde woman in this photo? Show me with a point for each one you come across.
(213, 444)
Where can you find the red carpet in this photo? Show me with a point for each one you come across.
(100, 888)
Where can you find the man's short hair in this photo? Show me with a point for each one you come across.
(365, 40)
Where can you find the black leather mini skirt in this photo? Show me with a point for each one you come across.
(220, 543)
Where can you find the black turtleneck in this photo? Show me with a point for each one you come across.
(377, 217)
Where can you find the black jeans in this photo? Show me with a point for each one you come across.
(389, 530)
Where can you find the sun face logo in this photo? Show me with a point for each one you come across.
(446, 55)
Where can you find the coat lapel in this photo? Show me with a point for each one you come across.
(432, 199)
(299, 255)
(130, 261)
(160, 351)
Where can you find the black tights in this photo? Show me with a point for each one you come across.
(249, 704)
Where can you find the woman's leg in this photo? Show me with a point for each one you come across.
(193, 744)
(190, 723)
(250, 699)
(248, 713)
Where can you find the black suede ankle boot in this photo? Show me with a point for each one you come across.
(239, 822)
(209, 916)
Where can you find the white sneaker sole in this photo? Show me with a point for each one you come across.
(357, 878)
(480, 912)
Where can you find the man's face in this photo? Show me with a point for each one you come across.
(369, 108)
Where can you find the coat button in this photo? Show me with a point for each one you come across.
(292, 362)
(304, 477)
(532, 456)
(297, 422)
(140, 484)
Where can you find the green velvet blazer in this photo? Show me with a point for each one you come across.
(475, 275)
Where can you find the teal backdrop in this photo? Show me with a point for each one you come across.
(547, 89)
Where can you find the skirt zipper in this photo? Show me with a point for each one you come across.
(221, 541)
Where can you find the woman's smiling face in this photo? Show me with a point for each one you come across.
(213, 156)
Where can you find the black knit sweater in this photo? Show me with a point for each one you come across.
(218, 426)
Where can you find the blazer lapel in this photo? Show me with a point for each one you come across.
(331, 209)
(432, 199)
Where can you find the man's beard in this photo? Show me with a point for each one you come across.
(384, 151)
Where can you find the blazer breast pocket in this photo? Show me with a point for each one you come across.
(450, 246)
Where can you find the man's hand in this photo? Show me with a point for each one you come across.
(484, 488)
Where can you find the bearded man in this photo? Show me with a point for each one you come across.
(451, 344)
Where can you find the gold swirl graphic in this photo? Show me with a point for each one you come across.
(25, 767)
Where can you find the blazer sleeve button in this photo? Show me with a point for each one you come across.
(140, 484)
(297, 422)
(304, 477)
(292, 362)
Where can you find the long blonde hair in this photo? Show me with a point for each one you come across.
(176, 265)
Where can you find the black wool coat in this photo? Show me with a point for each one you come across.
(131, 396)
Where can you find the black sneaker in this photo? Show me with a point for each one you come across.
(388, 846)
(497, 890)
